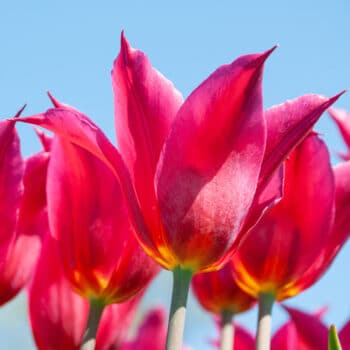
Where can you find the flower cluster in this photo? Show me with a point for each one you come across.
(212, 187)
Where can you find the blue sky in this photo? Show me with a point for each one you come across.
(68, 47)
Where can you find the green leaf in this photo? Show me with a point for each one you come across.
(333, 340)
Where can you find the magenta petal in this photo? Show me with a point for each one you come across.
(11, 187)
(341, 229)
(145, 105)
(287, 125)
(57, 315)
(344, 336)
(311, 331)
(300, 222)
(265, 198)
(342, 119)
(285, 338)
(45, 139)
(342, 200)
(115, 324)
(151, 333)
(21, 255)
(209, 167)
(243, 339)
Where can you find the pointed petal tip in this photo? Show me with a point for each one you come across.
(18, 114)
(335, 97)
(124, 44)
(268, 52)
(260, 60)
(53, 100)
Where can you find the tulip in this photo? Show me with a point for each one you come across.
(271, 263)
(101, 257)
(58, 316)
(218, 293)
(194, 171)
(23, 217)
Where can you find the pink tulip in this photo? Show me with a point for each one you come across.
(58, 316)
(291, 236)
(195, 170)
(88, 218)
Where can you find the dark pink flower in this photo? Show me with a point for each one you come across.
(279, 250)
(88, 218)
(195, 171)
(58, 316)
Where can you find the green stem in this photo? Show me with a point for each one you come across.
(263, 337)
(227, 331)
(176, 325)
(95, 313)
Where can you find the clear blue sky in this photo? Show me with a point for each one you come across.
(68, 47)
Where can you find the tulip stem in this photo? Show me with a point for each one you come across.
(263, 338)
(227, 331)
(176, 325)
(95, 313)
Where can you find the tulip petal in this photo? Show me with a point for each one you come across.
(45, 139)
(23, 253)
(145, 105)
(57, 315)
(342, 120)
(285, 338)
(243, 339)
(344, 336)
(217, 292)
(115, 324)
(151, 333)
(342, 201)
(301, 221)
(340, 231)
(11, 187)
(265, 198)
(208, 170)
(311, 331)
(287, 125)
